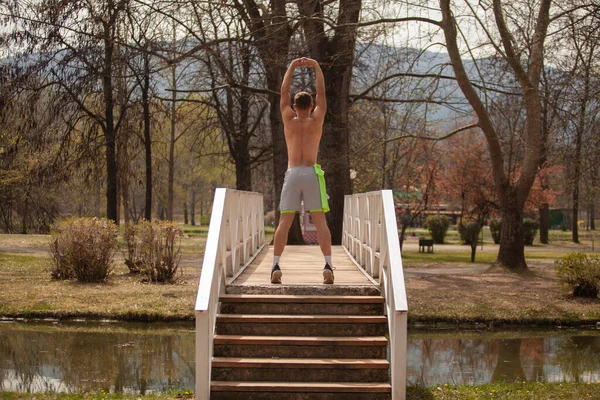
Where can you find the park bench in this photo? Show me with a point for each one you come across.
(426, 243)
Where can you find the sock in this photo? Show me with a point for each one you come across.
(328, 260)
(275, 260)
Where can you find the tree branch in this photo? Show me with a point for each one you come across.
(435, 139)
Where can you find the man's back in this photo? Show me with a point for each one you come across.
(302, 135)
(304, 128)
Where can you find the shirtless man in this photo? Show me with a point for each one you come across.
(304, 179)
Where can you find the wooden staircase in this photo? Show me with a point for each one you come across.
(270, 344)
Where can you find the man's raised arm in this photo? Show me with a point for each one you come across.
(285, 102)
(321, 98)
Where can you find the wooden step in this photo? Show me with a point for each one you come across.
(300, 346)
(301, 325)
(300, 370)
(322, 363)
(253, 298)
(311, 290)
(306, 387)
(298, 304)
(299, 391)
(302, 319)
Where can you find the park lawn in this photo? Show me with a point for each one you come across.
(496, 296)
(514, 391)
(27, 291)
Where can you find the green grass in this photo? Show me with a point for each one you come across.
(514, 391)
(96, 396)
(499, 391)
(26, 290)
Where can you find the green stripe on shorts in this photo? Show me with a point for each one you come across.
(287, 211)
(321, 176)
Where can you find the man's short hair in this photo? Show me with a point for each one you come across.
(303, 100)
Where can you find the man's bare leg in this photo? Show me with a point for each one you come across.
(324, 237)
(279, 242)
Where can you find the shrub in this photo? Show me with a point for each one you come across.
(83, 248)
(469, 232)
(438, 226)
(580, 272)
(133, 258)
(495, 229)
(530, 229)
(160, 250)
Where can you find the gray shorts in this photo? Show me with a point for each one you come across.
(304, 184)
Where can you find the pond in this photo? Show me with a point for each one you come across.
(144, 358)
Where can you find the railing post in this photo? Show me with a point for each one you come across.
(203, 355)
(398, 352)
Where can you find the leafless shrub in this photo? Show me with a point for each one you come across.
(133, 257)
(83, 248)
(160, 250)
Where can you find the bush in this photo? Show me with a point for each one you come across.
(530, 229)
(469, 232)
(438, 226)
(83, 248)
(580, 273)
(160, 250)
(133, 258)
(495, 229)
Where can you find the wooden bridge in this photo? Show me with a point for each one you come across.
(301, 339)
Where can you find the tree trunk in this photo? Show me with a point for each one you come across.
(109, 130)
(544, 223)
(243, 170)
(512, 241)
(147, 139)
(25, 214)
(592, 216)
(111, 156)
(335, 159)
(576, 177)
(125, 197)
(185, 213)
(193, 208)
(171, 163)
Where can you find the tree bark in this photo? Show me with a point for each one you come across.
(109, 132)
(544, 223)
(193, 208)
(185, 213)
(171, 162)
(512, 240)
(147, 139)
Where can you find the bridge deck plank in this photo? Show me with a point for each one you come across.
(302, 265)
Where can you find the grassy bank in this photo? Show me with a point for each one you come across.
(495, 296)
(468, 293)
(27, 291)
(515, 391)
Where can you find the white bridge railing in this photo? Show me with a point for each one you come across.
(370, 236)
(235, 236)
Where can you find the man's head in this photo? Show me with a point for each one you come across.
(303, 101)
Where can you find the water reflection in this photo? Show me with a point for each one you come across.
(504, 356)
(43, 358)
(143, 358)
